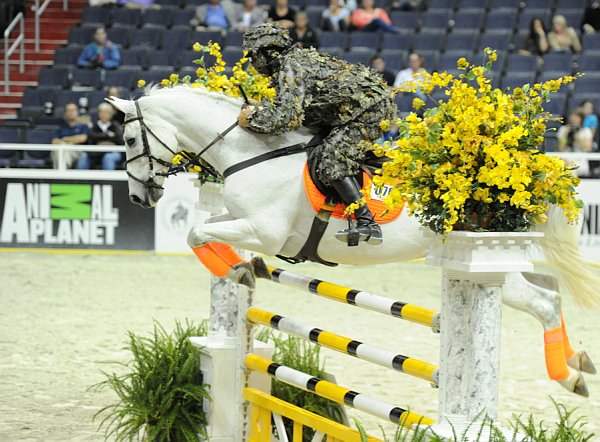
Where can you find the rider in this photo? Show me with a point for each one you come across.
(317, 90)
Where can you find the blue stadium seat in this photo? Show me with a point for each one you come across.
(358, 57)
(234, 39)
(134, 58)
(521, 63)
(146, 37)
(591, 43)
(587, 85)
(231, 56)
(472, 4)
(127, 17)
(589, 63)
(480, 57)
(447, 61)
(406, 19)
(365, 41)
(171, 3)
(87, 77)
(155, 76)
(501, 19)
(81, 36)
(122, 78)
(63, 98)
(497, 39)
(176, 39)
(429, 41)
(164, 59)
(517, 79)
(120, 36)
(436, 19)
(529, 14)
(550, 142)
(506, 4)
(404, 102)
(573, 4)
(34, 100)
(539, 4)
(469, 19)
(317, 3)
(394, 61)
(557, 105)
(558, 62)
(203, 37)
(186, 59)
(465, 40)
(96, 15)
(431, 59)
(37, 158)
(9, 135)
(441, 4)
(157, 17)
(53, 78)
(95, 98)
(66, 56)
(182, 17)
(334, 40)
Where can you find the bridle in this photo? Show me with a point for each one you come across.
(173, 169)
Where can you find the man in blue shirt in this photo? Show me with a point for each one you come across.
(101, 53)
(70, 132)
(215, 15)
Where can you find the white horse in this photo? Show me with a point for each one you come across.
(267, 210)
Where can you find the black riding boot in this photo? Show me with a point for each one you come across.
(366, 228)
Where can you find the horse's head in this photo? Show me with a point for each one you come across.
(150, 146)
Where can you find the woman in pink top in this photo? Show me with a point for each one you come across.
(369, 18)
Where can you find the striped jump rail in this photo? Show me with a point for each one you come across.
(333, 392)
(366, 352)
(346, 295)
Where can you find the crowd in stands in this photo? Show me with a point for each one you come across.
(120, 41)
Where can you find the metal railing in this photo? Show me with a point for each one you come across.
(60, 160)
(8, 51)
(39, 10)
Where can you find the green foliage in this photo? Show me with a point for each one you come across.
(160, 394)
(567, 429)
(301, 355)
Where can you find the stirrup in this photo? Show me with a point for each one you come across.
(370, 233)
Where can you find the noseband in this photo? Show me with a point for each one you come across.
(149, 183)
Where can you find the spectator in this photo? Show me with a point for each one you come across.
(408, 5)
(415, 68)
(101, 53)
(248, 16)
(215, 15)
(591, 18)
(282, 14)
(70, 132)
(371, 19)
(302, 34)
(118, 116)
(139, 4)
(536, 41)
(591, 119)
(574, 137)
(336, 17)
(563, 37)
(104, 132)
(378, 65)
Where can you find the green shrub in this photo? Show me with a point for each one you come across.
(160, 394)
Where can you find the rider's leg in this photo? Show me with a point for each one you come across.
(366, 227)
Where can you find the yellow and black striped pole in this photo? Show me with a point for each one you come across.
(347, 295)
(336, 393)
(401, 363)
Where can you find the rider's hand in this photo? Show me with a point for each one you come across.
(253, 102)
(243, 117)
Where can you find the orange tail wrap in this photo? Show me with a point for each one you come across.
(569, 352)
(556, 363)
(217, 258)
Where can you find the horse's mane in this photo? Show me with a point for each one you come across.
(155, 89)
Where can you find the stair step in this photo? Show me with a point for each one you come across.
(38, 62)
(11, 105)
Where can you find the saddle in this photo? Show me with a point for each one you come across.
(327, 203)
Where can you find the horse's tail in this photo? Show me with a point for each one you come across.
(560, 247)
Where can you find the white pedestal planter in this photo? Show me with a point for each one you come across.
(474, 267)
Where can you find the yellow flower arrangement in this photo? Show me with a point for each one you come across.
(214, 79)
(476, 161)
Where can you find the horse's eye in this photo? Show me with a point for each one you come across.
(130, 141)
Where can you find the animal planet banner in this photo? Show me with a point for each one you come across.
(77, 214)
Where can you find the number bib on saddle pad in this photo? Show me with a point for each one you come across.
(375, 201)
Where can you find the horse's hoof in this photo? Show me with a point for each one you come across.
(582, 362)
(259, 268)
(575, 383)
(242, 274)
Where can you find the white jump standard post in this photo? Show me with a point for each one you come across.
(474, 268)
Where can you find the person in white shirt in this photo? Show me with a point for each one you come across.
(249, 15)
(104, 132)
(416, 64)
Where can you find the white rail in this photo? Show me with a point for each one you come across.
(8, 51)
(60, 161)
(39, 10)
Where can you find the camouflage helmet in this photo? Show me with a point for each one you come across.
(267, 35)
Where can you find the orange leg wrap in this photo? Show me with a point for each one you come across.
(569, 352)
(556, 363)
(217, 258)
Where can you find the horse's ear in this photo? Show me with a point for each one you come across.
(125, 106)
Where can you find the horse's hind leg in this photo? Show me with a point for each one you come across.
(579, 360)
(537, 295)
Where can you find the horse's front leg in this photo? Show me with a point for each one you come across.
(537, 295)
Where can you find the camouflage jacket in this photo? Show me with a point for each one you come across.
(316, 90)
